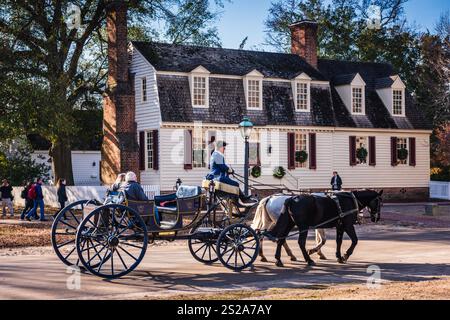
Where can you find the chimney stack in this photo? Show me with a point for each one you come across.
(304, 40)
(120, 150)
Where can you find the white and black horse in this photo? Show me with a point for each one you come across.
(306, 211)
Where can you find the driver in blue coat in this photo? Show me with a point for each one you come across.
(220, 171)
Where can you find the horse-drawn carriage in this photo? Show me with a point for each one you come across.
(110, 239)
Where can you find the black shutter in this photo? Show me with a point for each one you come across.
(312, 151)
(155, 150)
(372, 151)
(291, 150)
(393, 151)
(412, 152)
(188, 149)
(352, 150)
(142, 150)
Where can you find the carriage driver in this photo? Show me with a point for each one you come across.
(220, 171)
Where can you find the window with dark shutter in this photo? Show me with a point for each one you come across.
(155, 150)
(352, 150)
(312, 151)
(142, 150)
(291, 150)
(372, 151)
(394, 151)
(188, 149)
(412, 152)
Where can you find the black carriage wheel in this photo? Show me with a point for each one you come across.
(203, 249)
(64, 230)
(115, 241)
(238, 247)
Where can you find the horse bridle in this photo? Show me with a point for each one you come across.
(369, 206)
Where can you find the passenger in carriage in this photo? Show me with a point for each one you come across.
(119, 183)
(133, 189)
(220, 171)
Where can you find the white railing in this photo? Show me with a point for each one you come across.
(75, 193)
(440, 190)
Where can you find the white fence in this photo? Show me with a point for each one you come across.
(440, 190)
(75, 193)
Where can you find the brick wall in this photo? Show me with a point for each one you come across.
(120, 149)
(304, 41)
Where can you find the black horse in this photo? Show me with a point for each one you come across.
(307, 211)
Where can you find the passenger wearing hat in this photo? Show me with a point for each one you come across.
(220, 171)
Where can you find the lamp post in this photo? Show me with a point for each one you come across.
(246, 129)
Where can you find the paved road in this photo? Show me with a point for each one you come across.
(402, 254)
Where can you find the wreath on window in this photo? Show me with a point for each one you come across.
(301, 156)
(256, 172)
(279, 172)
(361, 154)
(402, 154)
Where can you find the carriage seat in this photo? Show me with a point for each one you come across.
(168, 203)
(221, 186)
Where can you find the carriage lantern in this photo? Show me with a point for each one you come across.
(246, 129)
(178, 183)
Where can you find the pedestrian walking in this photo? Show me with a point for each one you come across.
(336, 182)
(7, 198)
(29, 203)
(38, 197)
(62, 194)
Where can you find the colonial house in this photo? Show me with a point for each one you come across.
(312, 116)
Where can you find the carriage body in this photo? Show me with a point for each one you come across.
(103, 236)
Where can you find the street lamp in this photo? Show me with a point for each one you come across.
(246, 129)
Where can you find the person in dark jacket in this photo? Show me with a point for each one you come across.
(29, 203)
(7, 198)
(336, 182)
(133, 189)
(38, 201)
(62, 194)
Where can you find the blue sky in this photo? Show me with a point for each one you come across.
(242, 18)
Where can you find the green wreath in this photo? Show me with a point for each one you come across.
(361, 154)
(301, 156)
(279, 172)
(256, 172)
(402, 154)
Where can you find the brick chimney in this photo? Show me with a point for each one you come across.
(120, 150)
(304, 40)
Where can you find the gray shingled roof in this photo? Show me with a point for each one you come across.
(227, 98)
(181, 58)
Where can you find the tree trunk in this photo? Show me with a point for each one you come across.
(62, 162)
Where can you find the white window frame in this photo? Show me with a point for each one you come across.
(402, 114)
(308, 96)
(363, 99)
(406, 145)
(147, 162)
(299, 165)
(254, 76)
(366, 146)
(144, 89)
(199, 72)
(199, 134)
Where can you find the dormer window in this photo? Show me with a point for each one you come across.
(199, 83)
(397, 102)
(357, 100)
(199, 88)
(391, 91)
(253, 85)
(301, 90)
(254, 92)
(351, 89)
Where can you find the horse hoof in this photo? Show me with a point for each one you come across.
(322, 257)
(264, 259)
(311, 263)
(341, 260)
(293, 258)
(345, 258)
(279, 264)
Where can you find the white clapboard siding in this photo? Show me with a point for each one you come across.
(148, 115)
(383, 174)
(332, 154)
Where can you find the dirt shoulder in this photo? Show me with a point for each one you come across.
(424, 290)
